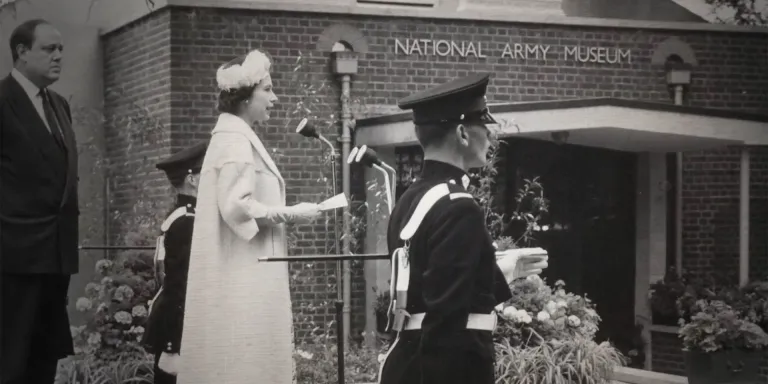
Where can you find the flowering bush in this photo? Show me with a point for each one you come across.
(116, 305)
(546, 335)
(538, 312)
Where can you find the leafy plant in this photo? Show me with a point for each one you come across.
(574, 360)
(381, 305)
(126, 367)
(316, 360)
(715, 326)
(530, 203)
(663, 296)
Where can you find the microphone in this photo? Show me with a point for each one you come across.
(370, 159)
(307, 130)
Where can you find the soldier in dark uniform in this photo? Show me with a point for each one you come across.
(164, 325)
(454, 280)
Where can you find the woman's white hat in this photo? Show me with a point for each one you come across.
(254, 68)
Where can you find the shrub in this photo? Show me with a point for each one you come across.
(316, 360)
(536, 311)
(575, 360)
(715, 325)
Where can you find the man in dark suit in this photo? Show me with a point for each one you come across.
(166, 319)
(38, 209)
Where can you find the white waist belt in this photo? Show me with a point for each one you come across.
(476, 321)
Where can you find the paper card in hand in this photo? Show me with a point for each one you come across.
(338, 201)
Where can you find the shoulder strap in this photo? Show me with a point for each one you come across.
(160, 245)
(425, 205)
(177, 213)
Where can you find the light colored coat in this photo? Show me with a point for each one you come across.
(238, 325)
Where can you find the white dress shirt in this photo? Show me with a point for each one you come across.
(34, 94)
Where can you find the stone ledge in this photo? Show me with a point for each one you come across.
(627, 375)
(664, 328)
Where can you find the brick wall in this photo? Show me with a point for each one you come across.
(137, 108)
(193, 42)
(666, 355)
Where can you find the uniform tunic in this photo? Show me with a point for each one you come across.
(165, 323)
(453, 273)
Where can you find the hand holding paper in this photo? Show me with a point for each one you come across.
(522, 262)
(338, 201)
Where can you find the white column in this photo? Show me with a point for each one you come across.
(744, 217)
(650, 235)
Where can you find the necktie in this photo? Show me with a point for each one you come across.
(53, 121)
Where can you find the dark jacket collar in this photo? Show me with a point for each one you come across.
(437, 170)
(185, 200)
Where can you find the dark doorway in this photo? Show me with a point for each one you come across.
(591, 223)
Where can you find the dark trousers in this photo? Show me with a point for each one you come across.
(35, 327)
(405, 365)
(162, 377)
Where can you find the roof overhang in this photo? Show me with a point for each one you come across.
(618, 124)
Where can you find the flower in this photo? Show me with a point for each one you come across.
(123, 293)
(103, 265)
(92, 289)
(139, 311)
(83, 304)
(534, 278)
(543, 316)
(509, 312)
(574, 321)
(94, 339)
(123, 317)
(522, 316)
(551, 307)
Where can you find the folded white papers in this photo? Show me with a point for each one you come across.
(338, 201)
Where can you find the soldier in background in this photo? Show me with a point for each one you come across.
(447, 275)
(165, 323)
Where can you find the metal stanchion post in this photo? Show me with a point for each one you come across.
(340, 339)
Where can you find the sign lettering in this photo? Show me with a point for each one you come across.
(515, 51)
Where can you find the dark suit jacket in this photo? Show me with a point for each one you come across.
(38, 187)
(165, 323)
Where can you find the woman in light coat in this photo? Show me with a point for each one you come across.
(238, 326)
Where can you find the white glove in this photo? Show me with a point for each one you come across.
(522, 262)
(169, 363)
(305, 211)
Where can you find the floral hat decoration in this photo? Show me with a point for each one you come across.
(234, 74)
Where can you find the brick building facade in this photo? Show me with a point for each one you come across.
(167, 61)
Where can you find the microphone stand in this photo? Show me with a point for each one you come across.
(333, 155)
(394, 179)
(387, 185)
